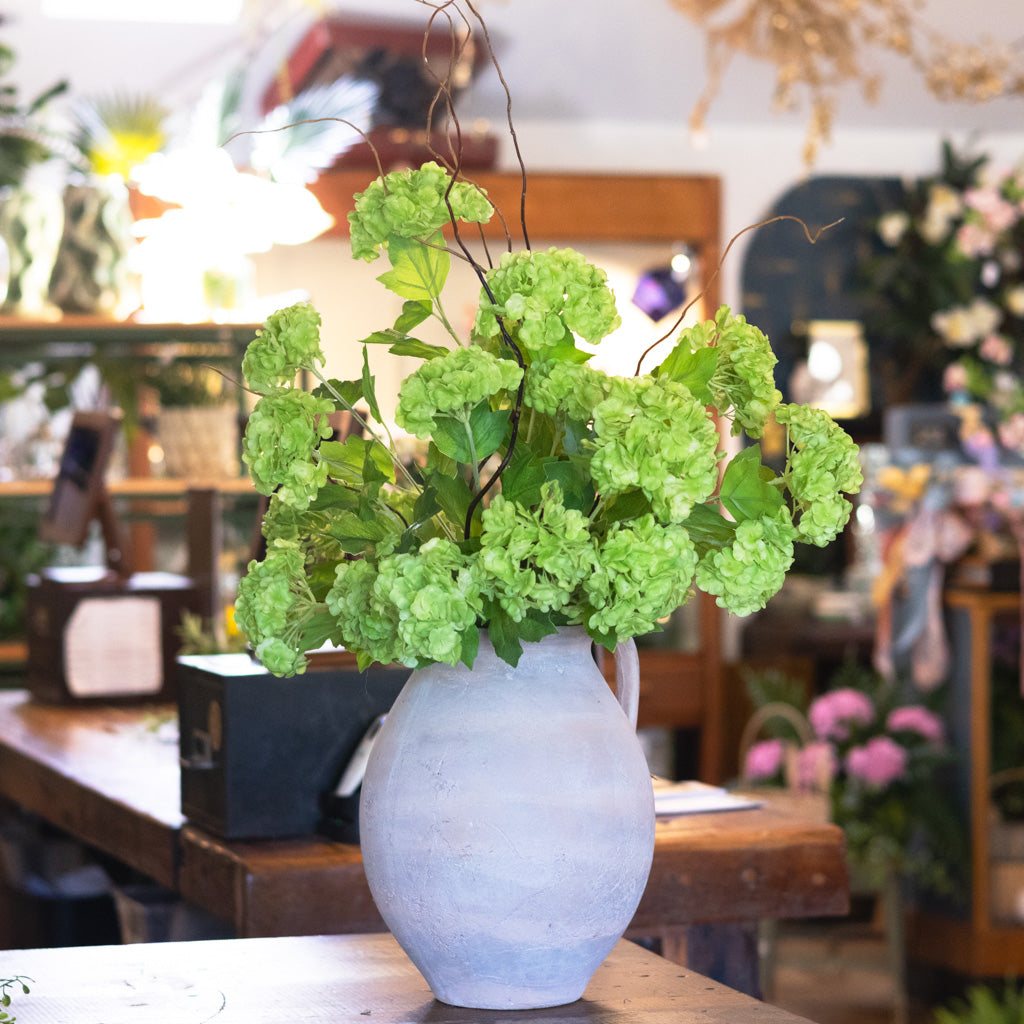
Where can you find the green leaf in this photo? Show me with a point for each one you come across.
(628, 505)
(746, 491)
(351, 391)
(354, 533)
(566, 351)
(523, 476)
(489, 428)
(427, 505)
(577, 488)
(503, 633)
(470, 646)
(485, 426)
(334, 496)
(369, 387)
(451, 436)
(414, 312)
(692, 369)
(453, 495)
(402, 345)
(373, 479)
(536, 625)
(418, 271)
(385, 337)
(347, 458)
(321, 578)
(438, 462)
(418, 349)
(708, 527)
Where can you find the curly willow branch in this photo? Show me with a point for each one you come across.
(811, 237)
(444, 94)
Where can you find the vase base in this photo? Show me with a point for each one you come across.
(493, 975)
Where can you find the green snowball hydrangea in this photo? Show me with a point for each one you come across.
(823, 462)
(270, 607)
(411, 204)
(653, 434)
(533, 558)
(460, 379)
(746, 573)
(644, 572)
(544, 296)
(288, 342)
(743, 379)
(280, 443)
(367, 627)
(411, 608)
(554, 387)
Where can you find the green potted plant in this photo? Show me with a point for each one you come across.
(553, 503)
(507, 815)
(197, 422)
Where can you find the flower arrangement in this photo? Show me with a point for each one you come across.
(876, 757)
(951, 280)
(547, 493)
(550, 493)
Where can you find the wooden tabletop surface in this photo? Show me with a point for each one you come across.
(109, 776)
(335, 980)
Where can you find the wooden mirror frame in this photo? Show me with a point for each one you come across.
(580, 208)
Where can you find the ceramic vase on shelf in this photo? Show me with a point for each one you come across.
(90, 270)
(507, 822)
(30, 229)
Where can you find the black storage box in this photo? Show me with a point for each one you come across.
(259, 753)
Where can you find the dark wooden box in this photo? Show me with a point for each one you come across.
(93, 636)
(259, 753)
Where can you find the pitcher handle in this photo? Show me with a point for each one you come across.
(627, 679)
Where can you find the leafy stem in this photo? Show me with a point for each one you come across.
(18, 981)
(400, 468)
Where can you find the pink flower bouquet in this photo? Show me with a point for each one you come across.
(878, 759)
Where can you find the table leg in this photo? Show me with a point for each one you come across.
(726, 952)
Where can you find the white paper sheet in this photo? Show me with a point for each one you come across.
(697, 798)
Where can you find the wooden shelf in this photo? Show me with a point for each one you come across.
(135, 487)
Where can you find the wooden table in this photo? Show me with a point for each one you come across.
(336, 979)
(108, 777)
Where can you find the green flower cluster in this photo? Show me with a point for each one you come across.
(653, 434)
(644, 571)
(544, 297)
(412, 204)
(288, 342)
(280, 446)
(458, 380)
(409, 608)
(274, 606)
(554, 387)
(534, 558)
(823, 463)
(746, 573)
(743, 381)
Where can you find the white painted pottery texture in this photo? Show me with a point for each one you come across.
(507, 822)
